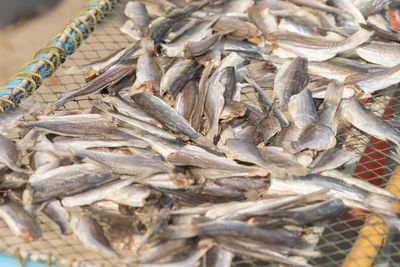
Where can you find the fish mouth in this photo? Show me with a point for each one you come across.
(159, 49)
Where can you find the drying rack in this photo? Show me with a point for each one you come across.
(356, 239)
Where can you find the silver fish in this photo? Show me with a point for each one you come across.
(351, 195)
(240, 29)
(137, 12)
(317, 48)
(232, 109)
(91, 234)
(58, 215)
(218, 257)
(244, 183)
(237, 6)
(124, 164)
(257, 251)
(197, 48)
(321, 6)
(9, 155)
(375, 81)
(148, 71)
(163, 249)
(315, 136)
(191, 155)
(368, 7)
(382, 53)
(20, 222)
(167, 116)
(129, 108)
(228, 79)
(203, 88)
(266, 129)
(11, 118)
(186, 100)
(214, 104)
(237, 229)
(333, 96)
(136, 123)
(176, 76)
(299, 216)
(290, 80)
(264, 20)
(339, 68)
(266, 103)
(74, 125)
(65, 181)
(95, 194)
(131, 195)
(360, 117)
(10, 180)
(243, 151)
(331, 159)
(111, 76)
(190, 261)
(302, 109)
(291, 25)
(350, 8)
(65, 145)
(176, 47)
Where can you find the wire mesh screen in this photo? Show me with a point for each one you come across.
(333, 239)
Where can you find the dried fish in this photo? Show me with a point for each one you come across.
(20, 222)
(221, 134)
(91, 234)
(9, 155)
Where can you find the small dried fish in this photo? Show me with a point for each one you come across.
(302, 109)
(74, 125)
(59, 215)
(91, 234)
(290, 80)
(354, 113)
(9, 154)
(20, 222)
(111, 76)
(317, 48)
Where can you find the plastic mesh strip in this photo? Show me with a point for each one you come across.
(46, 60)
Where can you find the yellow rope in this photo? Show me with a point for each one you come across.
(19, 258)
(30, 73)
(109, 5)
(15, 87)
(70, 262)
(90, 8)
(52, 50)
(68, 35)
(48, 261)
(48, 61)
(16, 77)
(89, 28)
(77, 31)
(86, 12)
(8, 101)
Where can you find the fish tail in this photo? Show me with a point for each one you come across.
(356, 39)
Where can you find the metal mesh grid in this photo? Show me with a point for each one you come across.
(334, 239)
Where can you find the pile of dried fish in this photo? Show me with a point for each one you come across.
(173, 165)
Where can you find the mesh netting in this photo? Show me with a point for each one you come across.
(334, 239)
